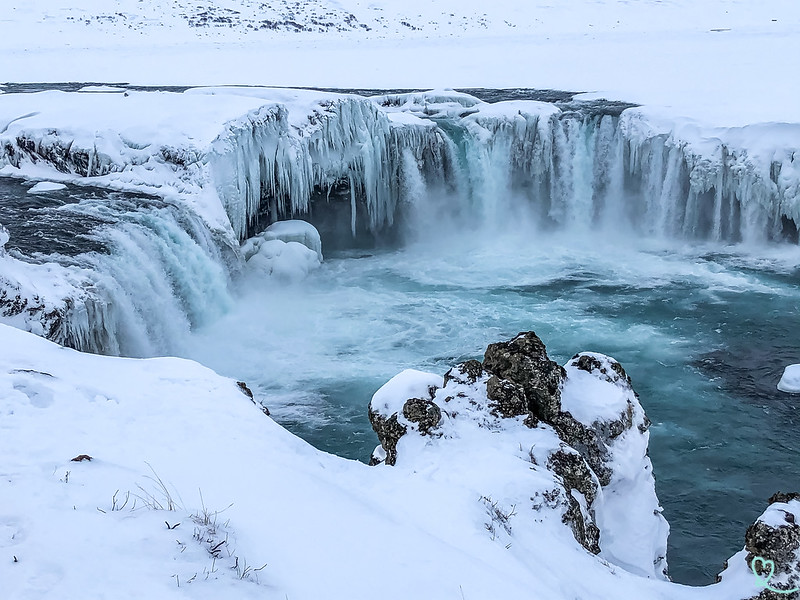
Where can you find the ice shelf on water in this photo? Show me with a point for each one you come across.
(790, 380)
(46, 186)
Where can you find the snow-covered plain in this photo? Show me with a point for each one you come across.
(726, 62)
(193, 492)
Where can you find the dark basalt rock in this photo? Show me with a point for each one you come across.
(524, 361)
(590, 364)
(576, 475)
(779, 544)
(784, 497)
(467, 372)
(507, 399)
(585, 531)
(389, 432)
(425, 413)
(586, 441)
(574, 472)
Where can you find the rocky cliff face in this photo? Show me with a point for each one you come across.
(772, 545)
(586, 429)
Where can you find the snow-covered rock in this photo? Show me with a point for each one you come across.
(294, 230)
(771, 555)
(4, 237)
(286, 250)
(594, 469)
(790, 380)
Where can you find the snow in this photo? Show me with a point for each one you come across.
(169, 433)
(286, 261)
(588, 397)
(286, 250)
(725, 62)
(777, 513)
(294, 230)
(101, 88)
(46, 186)
(409, 383)
(790, 380)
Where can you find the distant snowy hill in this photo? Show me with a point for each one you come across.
(724, 61)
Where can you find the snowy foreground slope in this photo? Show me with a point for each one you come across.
(191, 490)
(726, 62)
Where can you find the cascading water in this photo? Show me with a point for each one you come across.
(576, 169)
(140, 274)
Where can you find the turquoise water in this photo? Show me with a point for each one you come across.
(704, 331)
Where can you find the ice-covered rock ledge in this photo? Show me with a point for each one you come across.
(162, 478)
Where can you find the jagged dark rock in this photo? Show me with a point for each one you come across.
(425, 413)
(783, 497)
(467, 372)
(507, 399)
(589, 363)
(245, 389)
(586, 441)
(779, 544)
(524, 361)
(574, 472)
(585, 531)
(389, 432)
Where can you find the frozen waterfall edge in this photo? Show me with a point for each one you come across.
(265, 155)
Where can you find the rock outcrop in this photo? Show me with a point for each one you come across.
(586, 413)
(773, 548)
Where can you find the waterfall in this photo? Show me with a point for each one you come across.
(161, 272)
(447, 154)
(423, 160)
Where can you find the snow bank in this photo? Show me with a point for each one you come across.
(161, 468)
(790, 380)
(677, 55)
